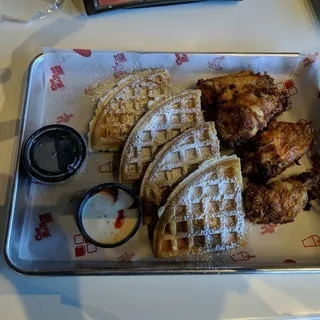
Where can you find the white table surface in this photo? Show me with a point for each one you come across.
(251, 25)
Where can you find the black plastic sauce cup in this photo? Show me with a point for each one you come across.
(54, 154)
(109, 187)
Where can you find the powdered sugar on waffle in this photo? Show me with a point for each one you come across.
(166, 120)
(188, 142)
(145, 78)
(121, 107)
(222, 182)
(174, 162)
(192, 201)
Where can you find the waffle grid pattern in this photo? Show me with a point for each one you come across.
(212, 220)
(130, 102)
(126, 109)
(166, 124)
(179, 160)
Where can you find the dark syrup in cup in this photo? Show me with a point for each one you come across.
(54, 153)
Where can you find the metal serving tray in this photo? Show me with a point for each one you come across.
(30, 119)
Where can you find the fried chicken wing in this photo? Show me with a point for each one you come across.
(219, 90)
(242, 104)
(277, 148)
(278, 202)
(239, 120)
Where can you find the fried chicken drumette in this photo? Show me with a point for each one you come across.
(277, 148)
(278, 202)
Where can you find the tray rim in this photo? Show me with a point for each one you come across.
(127, 270)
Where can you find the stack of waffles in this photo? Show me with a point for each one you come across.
(165, 121)
(190, 194)
(176, 160)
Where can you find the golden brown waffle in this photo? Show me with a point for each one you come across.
(166, 120)
(121, 108)
(177, 159)
(204, 212)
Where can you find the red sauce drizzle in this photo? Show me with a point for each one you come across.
(120, 219)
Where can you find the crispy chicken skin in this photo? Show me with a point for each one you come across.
(239, 120)
(220, 90)
(277, 202)
(242, 104)
(312, 183)
(277, 148)
(311, 179)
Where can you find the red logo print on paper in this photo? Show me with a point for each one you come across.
(288, 87)
(311, 241)
(56, 82)
(82, 246)
(181, 58)
(119, 61)
(241, 256)
(83, 52)
(64, 118)
(43, 231)
(310, 59)
(126, 257)
(289, 261)
(215, 64)
(108, 167)
(268, 228)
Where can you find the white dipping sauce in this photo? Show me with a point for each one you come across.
(107, 219)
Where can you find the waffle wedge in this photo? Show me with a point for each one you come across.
(121, 107)
(177, 159)
(166, 120)
(203, 213)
